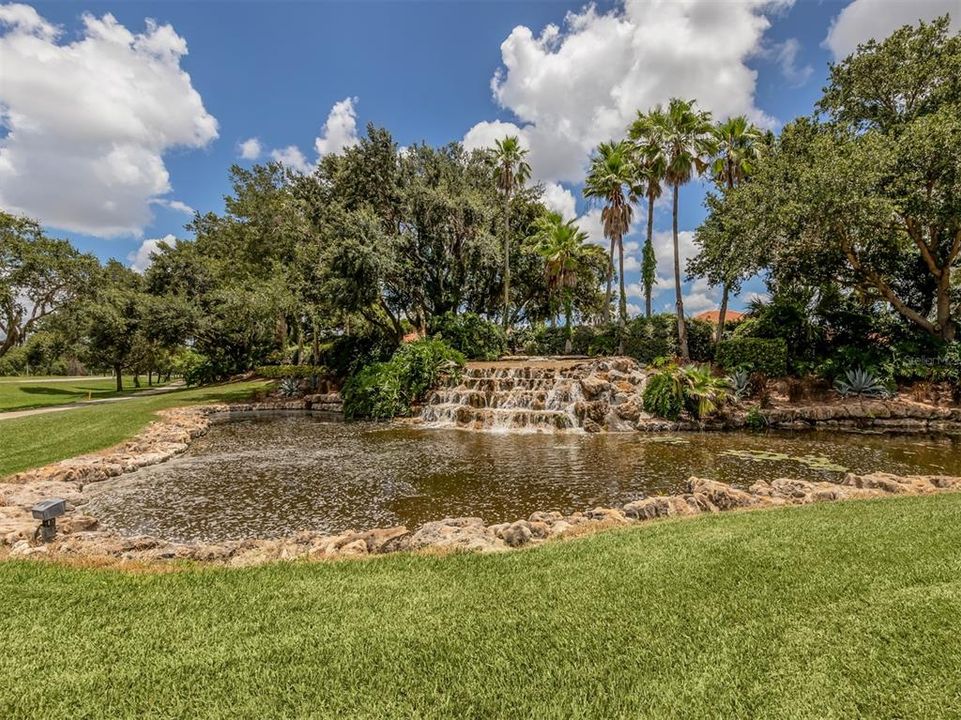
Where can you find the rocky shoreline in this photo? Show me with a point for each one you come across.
(80, 539)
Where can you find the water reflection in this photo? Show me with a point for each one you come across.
(270, 475)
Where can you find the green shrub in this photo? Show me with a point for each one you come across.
(673, 389)
(663, 394)
(700, 339)
(346, 354)
(388, 389)
(471, 335)
(755, 419)
(298, 372)
(754, 355)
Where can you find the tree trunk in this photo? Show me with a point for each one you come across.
(722, 314)
(567, 326)
(610, 283)
(507, 259)
(681, 325)
(150, 378)
(650, 241)
(118, 371)
(622, 300)
(136, 379)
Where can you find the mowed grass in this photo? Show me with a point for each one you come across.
(829, 611)
(33, 392)
(40, 439)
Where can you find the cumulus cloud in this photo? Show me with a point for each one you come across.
(177, 205)
(250, 149)
(340, 131)
(559, 199)
(141, 258)
(88, 122)
(573, 86)
(863, 20)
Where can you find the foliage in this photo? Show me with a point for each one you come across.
(471, 335)
(753, 354)
(289, 387)
(389, 389)
(740, 382)
(861, 382)
(693, 388)
(755, 420)
(297, 372)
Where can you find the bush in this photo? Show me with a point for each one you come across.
(754, 355)
(663, 394)
(755, 419)
(298, 372)
(388, 389)
(346, 354)
(471, 335)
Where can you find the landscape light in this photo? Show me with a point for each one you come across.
(47, 512)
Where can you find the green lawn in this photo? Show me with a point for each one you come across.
(34, 392)
(33, 441)
(829, 611)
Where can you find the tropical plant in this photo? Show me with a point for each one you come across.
(861, 382)
(755, 420)
(664, 393)
(289, 387)
(740, 382)
(739, 147)
(511, 172)
(687, 141)
(610, 180)
(673, 389)
(567, 256)
(650, 167)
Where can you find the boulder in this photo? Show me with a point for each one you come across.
(593, 386)
(721, 495)
(467, 534)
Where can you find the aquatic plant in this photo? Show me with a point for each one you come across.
(861, 382)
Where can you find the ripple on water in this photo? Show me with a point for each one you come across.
(271, 475)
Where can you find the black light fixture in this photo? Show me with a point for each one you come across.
(47, 512)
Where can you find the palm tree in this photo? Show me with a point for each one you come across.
(567, 258)
(610, 180)
(651, 165)
(512, 171)
(687, 140)
(739, 146)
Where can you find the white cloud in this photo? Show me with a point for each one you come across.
(177, 205)
(293, 158)
(250, 149)
(863, 20)
(559, 199)
(88, 122)
(786, 55)
(141, 258)
(340, 130)
(573, 87)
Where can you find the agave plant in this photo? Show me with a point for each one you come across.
(740, 382)
(289, 387)
(861, 382)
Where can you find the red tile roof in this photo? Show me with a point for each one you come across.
(712, 316)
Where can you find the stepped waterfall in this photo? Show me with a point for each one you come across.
(540, 396)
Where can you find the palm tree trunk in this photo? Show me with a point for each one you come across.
(567, 325)
(681, 326)
(722, 314)
(507, 259)
(622, 299)
(650, 241)
(610, 283)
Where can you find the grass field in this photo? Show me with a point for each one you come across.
(33, 441)
(831, 611)
(34, 392)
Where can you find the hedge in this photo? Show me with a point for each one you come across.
(278, 372)
(753, 354)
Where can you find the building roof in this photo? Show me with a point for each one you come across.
(712, 316)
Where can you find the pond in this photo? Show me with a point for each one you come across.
(270, 475)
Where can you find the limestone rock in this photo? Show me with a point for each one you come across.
(469, 534)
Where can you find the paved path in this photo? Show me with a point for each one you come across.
(12, 415)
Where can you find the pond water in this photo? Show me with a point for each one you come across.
(269, 475)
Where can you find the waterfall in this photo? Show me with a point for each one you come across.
(539, 396)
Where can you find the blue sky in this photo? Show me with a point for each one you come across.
(130, 124)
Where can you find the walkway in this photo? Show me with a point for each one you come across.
(14, 414)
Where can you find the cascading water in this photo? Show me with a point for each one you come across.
(539, 396)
